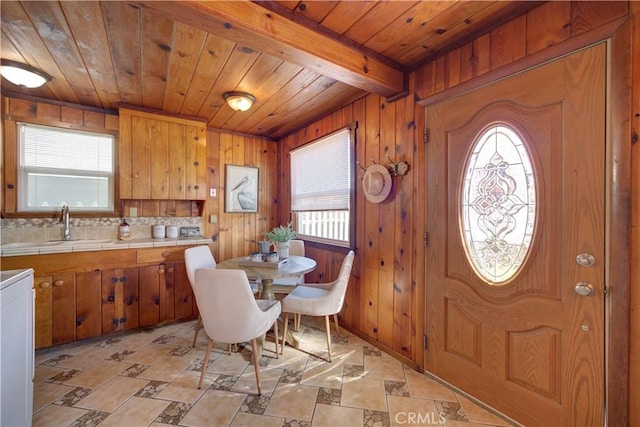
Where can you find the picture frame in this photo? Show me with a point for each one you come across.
(241, 189)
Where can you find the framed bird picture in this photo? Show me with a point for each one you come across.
(241, 191)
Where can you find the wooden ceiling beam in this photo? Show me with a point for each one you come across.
(253, 26)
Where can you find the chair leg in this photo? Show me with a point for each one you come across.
(205, 362)
(296, 321)
(254, 348)
(275, 331)
(198, 324)
(328, 323)
(284, 333)
(335, 319)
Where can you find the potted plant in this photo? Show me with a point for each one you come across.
(280, 237)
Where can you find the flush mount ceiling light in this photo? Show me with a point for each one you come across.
(239, 101)
(23, 74)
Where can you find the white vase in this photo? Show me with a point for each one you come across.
(283, 249)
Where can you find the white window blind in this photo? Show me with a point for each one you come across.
(321, 174)
(61, 166)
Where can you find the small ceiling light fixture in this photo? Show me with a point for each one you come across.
(23, 74)
(239, 101)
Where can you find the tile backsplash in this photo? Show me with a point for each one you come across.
(15, 230)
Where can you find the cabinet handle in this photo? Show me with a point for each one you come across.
(166, 254)
(156, 301)
(115, 322)
(123, 279)
(161, 271)
(123, 320)
(196, 163)
(196, 186)
(111, 298)
(58, 283)
(44, 285)
(114, 279)
(170, 270)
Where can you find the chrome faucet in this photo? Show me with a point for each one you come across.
(64, 217)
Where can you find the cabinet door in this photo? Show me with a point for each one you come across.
(159, 158)
(109, 288)
(184, 301)
(88, 305)
(43, 311)
(64, 308)
(119, 299)
(196, 163)
(149, 294)
(129, 298)
(178, 162)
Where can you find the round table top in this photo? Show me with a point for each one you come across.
(295, 266)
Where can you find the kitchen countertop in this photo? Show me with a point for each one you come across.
(38, 248)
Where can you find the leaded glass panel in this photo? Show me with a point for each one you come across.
(498, 204)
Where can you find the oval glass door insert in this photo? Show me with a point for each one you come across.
(498, 204)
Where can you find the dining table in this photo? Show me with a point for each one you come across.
(292, 266)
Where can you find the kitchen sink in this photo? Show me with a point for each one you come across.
(81, 242)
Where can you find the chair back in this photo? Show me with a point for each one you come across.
(339, 289)
(296, 247)
(197, 257)
(228, 308)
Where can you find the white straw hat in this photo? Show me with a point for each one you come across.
(376, 183)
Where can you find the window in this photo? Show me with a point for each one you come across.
(498, 204)
(322, 183)
(61, 166)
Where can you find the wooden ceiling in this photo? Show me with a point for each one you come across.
(300, 59)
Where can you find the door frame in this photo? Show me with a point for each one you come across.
(617, 34)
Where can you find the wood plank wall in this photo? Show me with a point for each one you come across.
(380, 300)
(236, 234)
(385, 301)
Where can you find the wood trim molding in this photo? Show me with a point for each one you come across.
(618, 226)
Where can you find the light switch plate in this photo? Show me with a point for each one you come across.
(212, 192)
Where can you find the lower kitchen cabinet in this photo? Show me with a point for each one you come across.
(88, 294)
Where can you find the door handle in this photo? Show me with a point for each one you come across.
(584, 289)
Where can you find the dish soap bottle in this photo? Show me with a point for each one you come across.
(125, 230)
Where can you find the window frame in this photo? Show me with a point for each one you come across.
(21, 172)
(320, 241)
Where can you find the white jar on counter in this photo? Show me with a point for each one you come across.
(172, 231)
(158, 231)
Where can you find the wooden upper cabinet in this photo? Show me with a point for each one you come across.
(161, 157)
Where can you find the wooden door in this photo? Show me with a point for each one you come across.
(43, 311)
(504, 321)
(64, 308)
(149, 278)
(88, 305)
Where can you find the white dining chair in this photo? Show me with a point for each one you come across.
(197, 257)
(319, 299)
(284, 285)
(230, 312)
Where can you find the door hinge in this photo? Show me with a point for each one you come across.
(425, 135)
(426, 239)
(424, 342)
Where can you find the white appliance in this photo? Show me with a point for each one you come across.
(16, 347)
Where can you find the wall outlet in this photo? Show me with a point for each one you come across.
(133, 212)
(212, 192)
(213, 219)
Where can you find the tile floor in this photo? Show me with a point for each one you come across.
(149, 378)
